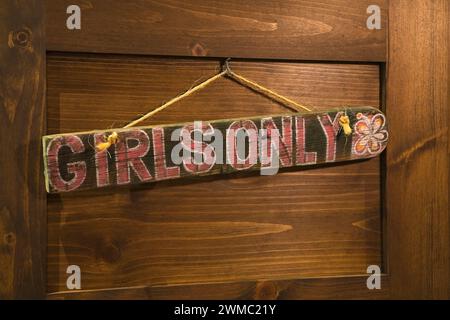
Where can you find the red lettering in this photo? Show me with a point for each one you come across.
(198, 148)
(78, 168)
(101, 162)
(161, 170)
(302, 157)
(131, 157)
(251, 131)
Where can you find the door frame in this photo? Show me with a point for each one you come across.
(417, 159)
(23, 211)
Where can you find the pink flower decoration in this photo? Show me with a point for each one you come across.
(371, 134)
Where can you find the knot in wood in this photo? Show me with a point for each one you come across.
(20, 38)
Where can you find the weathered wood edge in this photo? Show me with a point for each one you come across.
(221, 169)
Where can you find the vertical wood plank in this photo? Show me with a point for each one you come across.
(417, 158)
(22, 123)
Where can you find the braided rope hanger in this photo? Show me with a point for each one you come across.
(226, 71)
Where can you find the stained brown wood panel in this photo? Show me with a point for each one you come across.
(308, 30)
(88, 92)
(22, 123)
(321, 222)
(317, 288)
(417, 158)
(218, 230)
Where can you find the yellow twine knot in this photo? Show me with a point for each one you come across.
(344, 121)
(110, 140)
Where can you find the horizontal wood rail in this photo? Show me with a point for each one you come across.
(300, 30)
(352, 287)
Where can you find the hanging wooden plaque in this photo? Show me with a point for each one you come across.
(268, 143)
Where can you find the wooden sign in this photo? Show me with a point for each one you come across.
(147, 154)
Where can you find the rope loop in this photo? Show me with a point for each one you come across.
(226, 71)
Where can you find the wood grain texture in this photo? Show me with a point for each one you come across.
(144, 155)
(317, 288)
(231, 229)
(417, 158)
(307, 30)
(89, 92)
(297, 224)
(22, 123)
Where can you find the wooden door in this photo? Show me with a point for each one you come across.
(300, 234)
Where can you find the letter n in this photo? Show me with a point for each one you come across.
(284, 140)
